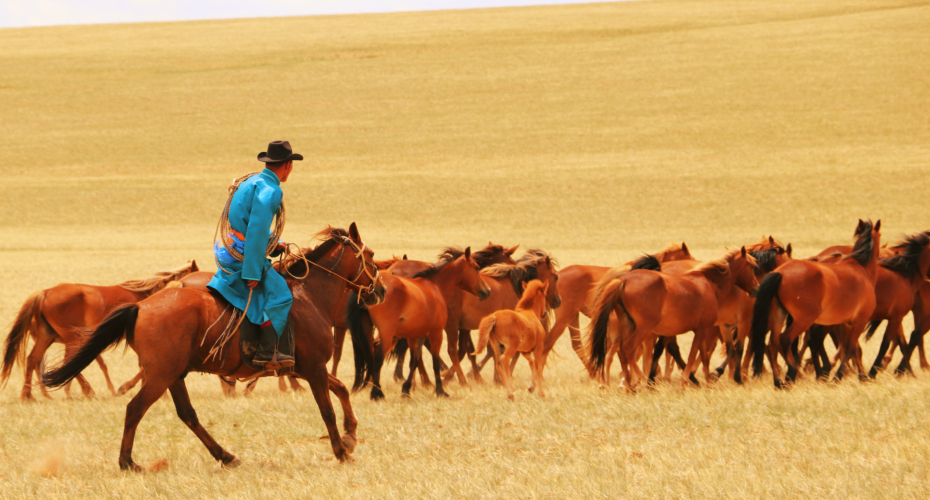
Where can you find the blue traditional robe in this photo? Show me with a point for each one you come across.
(251, 212)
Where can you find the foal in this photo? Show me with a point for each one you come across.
(520, 331)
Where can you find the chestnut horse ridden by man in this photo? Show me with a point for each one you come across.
(649, 303)
(56, 314)
(171, 332)
(576, 287)
(812, 293)
(519, 331)
(415, 308)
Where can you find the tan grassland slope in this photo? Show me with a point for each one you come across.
(594, 131)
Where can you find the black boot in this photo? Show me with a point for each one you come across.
(266, 355)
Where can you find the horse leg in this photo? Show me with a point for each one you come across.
(506, 374)
(318, 379)
(421, 367)
(86, 389)
(339, 340)
(228, 386)
(250, 388)
(696, 346)
(282, 384)
(34, 360)
(376, 393)
(435, 345)
(789, 347)
(821, 361)
(892, 331)
(41, 385)
(414, 354)
(152, 389)
(349, 422)
(182, 403)
(475, 373)
(453, 348)
(123, 389)
(106, 374)
(658, 349)
(401, 351)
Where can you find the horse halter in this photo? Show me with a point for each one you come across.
(363, 267)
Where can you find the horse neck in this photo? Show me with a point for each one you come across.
(323, 289)
(448, 278)
(722, 282)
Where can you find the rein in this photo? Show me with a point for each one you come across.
(359, 254)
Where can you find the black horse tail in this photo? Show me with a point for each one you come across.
(767, 292)
(597, 339)
(400, 348)
(30, 314)
(362, 341)
(119, 325)
(873, 325)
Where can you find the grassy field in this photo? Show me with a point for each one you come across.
(594, 131)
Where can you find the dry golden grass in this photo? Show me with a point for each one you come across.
(595, 131)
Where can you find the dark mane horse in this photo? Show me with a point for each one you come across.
(170, 331)
(816, 293)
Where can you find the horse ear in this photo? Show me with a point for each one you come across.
(405, 257)
(788, 250)
(467, 253)
(742, 252)
(684, 248)
(771, 240)
(548, 262)
(511, 251)
(878, 225)
(545, 288)
(353, 233)
(194, 267)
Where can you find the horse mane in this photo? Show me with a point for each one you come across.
(517, 273)
(650, 262)
(433, 269)
(534, 256)
(765, 244)
(529, 294)
(765, 259)
(862, 250)
(672, 247)
(384, 264)
(294, 263)
(157, 281)
(722, 263)
(907, 262)
(482, 257)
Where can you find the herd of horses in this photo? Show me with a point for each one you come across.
(755, 299)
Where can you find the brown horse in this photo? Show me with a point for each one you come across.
(56, 314)
(816, 293)
(519, 331)
(651, 303)
(414, 309)
(170, 331)
(506, 282)
(576, 287)
(488, 256)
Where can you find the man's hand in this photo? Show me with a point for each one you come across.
(252, 284)
(280, 247)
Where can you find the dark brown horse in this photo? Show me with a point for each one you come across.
(414, 309)
(170, 331)
(650, 303)
(812, 293)
(56, 314)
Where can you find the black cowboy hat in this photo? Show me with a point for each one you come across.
(279, 151)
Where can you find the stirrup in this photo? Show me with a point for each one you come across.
(276, 364)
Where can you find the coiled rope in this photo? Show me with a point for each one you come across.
(223, 227)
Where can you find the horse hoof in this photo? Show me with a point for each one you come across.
(405, 395)
(230, 464)
(442, 394)
(349, 442)
(510, 397)
(132, 467)
(713, 377)
(530, 389)
(377, 395)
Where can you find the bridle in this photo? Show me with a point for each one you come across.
(363, 267)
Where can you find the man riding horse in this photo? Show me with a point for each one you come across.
(245, 277)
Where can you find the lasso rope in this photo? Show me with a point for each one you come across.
(223, 227)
